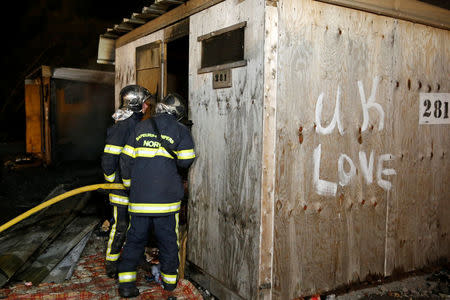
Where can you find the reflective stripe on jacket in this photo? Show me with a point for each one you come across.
(151, 172)
(116, 137)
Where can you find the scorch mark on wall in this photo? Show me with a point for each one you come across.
(328, 188)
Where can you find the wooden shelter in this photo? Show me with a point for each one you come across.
(67, 113)
(322, 134)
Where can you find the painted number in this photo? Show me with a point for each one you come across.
(221, 77)
(434, 108)
(427, 104)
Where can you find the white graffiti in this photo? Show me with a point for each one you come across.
(386, 185)
(345, 177)
(329, 188)
(366, 169)
(336, 117)
(366, 105)
(323, 187)
(369, 104)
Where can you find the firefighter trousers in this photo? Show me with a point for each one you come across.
(118, 233)
(165, 229)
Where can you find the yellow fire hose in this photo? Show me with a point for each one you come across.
(87, 188)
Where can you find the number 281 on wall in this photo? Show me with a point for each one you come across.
(434, 108)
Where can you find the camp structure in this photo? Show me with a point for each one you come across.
(322, 137)
(67, 113)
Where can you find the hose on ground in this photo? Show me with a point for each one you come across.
(87, 188)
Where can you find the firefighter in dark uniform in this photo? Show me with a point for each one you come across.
(149, 162)
(134, 101)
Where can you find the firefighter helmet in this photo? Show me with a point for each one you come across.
(173, 104)
(133, 96)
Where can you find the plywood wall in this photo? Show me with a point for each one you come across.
(225, 180)
(339, 216)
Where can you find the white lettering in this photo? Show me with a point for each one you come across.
(329, 188)
(336, 117)
(366, 169)
(370, 103)
(323, 187)
(151, 144)
(386, 185)
(345, 177)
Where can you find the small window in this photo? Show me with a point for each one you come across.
(223, 48)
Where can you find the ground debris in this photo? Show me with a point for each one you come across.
(432, 285)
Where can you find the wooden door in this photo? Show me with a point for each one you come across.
(149, 69)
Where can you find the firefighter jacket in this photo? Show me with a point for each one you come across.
(156, 188)
(117, 135)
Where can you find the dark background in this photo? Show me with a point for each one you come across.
(57, 33)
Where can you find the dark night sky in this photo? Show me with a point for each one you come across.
(55, 33)
(59, 34)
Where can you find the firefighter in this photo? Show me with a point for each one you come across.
(134, 101)
(149, 162)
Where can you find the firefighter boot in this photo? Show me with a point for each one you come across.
(128, 292)
(111, 269)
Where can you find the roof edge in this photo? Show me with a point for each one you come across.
(178, 13)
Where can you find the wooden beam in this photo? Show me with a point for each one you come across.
(183, 11)
(134, 21)
(269, 157)
(169, 2)
(146, 16)
(123, 27)
(236, 64)
(153, 10)
(84, 75)
(220, 31)
(410, 10)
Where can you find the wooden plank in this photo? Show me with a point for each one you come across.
(176, 31)
(47, 128)
(65, 268)
(339, 218)
(134, 21)
(148, 56)
(236, 64)
(418, 229)
(221, 31)
(123, 27)
(84, 75)
(33, 118)
(410, 10)
(163, 70)
(153, 10)
(22, 243)
(57, 250)
(225, 180)
(269, 150)
(183, 11)
(169, 2)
